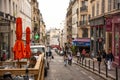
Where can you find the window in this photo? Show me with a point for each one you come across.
(117, 40)
(83, 19)
(10, 6)
(97, 13)
(93, 10)
(16, 9)
(109, 5)
(114, 4)
(85, 32)
(84, 3)
(13, 9)
(103, 6)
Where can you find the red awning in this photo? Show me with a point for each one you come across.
(82, 40)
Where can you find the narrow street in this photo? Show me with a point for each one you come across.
(58, 71)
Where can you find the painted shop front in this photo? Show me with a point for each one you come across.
(97, 34)
(82, 43)
(116, 38)
(113, 35)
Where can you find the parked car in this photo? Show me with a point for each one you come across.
(61, 53)
(41, 48)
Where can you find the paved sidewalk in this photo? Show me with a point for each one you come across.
(111, 73)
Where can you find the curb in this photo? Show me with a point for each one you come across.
(110, 77)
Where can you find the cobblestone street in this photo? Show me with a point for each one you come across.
(58, 71)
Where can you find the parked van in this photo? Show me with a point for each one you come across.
(34, 49)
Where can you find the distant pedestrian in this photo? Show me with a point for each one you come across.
(83, 54)
(78, 56)
(109, 58)
(32, 62)
(99, 56)
(70, 59)
(92, 54)
(65, 59)
(104, 56)
(4, 57)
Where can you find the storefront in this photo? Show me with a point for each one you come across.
(82, 43)
(116, 38)
(97, 34)
(5, 31)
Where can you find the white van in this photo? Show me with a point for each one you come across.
(34, 48)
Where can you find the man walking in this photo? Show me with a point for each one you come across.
(78, 56)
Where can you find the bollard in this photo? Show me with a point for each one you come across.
(106, 70)
(93, 65)
(99, 66)
(85, 62)
(116, 73)
(89, 63)
(82, 61)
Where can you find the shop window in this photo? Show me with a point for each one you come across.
(100, 32)
(110, 40)
(116, 41)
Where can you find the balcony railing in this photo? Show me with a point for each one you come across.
(84, 8)
(7, 17)
(82, 23)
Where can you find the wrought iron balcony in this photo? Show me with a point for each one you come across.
(85, 22)
(7, 17)
(84, 8)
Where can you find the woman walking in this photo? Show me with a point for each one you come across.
(78, 56)
(65, 59)
(109, 59)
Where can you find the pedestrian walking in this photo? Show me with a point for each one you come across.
(4, 57)
(83, 54)
(78, 56)
(92, 54)
(104, 56)
(109, 58)
(70, 59)
(65, 59)
(99, 57)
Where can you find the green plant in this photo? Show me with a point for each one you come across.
(74, 49)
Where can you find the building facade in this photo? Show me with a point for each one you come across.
(42, 31)
(74, 19)
(55, 37)
(9, 11)
(105, 26)
(78, 15)
(35, 14)
(7, 25)
(69, 23)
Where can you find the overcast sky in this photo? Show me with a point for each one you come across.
(53, 12)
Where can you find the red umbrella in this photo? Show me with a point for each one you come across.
(28, 51)
(19, 50)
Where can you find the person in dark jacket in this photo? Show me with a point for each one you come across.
(104, 56)
(109, 58)
(99, 58)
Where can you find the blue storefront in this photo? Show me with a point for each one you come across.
(82, 43)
